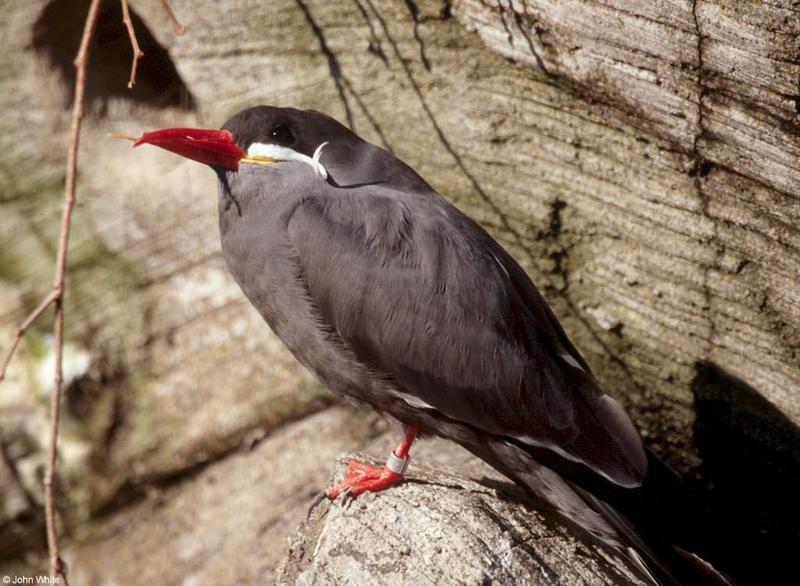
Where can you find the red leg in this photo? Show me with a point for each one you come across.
(361, 478)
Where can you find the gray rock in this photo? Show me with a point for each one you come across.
(439, 527)
(227, 524)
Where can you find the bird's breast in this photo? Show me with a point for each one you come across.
(261, 258)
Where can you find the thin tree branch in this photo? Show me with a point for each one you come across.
(81, 64)
(56, 295)
(23, 327)
(176, 26)
(137, 51)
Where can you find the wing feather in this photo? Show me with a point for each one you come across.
(426, 297)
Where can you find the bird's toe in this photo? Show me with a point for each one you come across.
(361, 478)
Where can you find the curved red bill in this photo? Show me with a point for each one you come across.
(212, 147)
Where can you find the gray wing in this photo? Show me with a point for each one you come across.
(428, 299)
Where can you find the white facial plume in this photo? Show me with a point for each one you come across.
(260, 153)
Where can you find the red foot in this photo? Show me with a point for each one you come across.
(362, 478)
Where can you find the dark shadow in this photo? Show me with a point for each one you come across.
(521, 22)
(57, 33)
(375, 47)
(23, 531)
(451, 486)
(333, 63)
(751, 474)
(339, 79)
(413, 10)
(554, 521)
(510, 492)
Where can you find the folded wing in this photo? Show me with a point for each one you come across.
(428, 299)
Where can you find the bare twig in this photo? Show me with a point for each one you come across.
(81, 63)
(23, 327)
(56, 295)
(137, 51)
(176, 26)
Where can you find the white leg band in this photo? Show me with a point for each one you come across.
(397, 465)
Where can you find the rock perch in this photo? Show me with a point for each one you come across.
(442, 528)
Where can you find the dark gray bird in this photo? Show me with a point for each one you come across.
(394, 299)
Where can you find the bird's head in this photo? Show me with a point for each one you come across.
(263, 135)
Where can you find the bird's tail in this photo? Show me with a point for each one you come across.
(635, 524)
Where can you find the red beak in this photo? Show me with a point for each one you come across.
(212, 147)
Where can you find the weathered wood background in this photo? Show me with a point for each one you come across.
(640, 159)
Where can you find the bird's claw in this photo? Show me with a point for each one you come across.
(315, 503)
(361, 478)
(348, 497)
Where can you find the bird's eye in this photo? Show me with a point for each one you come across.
(281, 134)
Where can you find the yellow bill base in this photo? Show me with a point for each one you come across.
(257, 160)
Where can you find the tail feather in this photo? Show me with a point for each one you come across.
(648, 551)
(671, 563)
